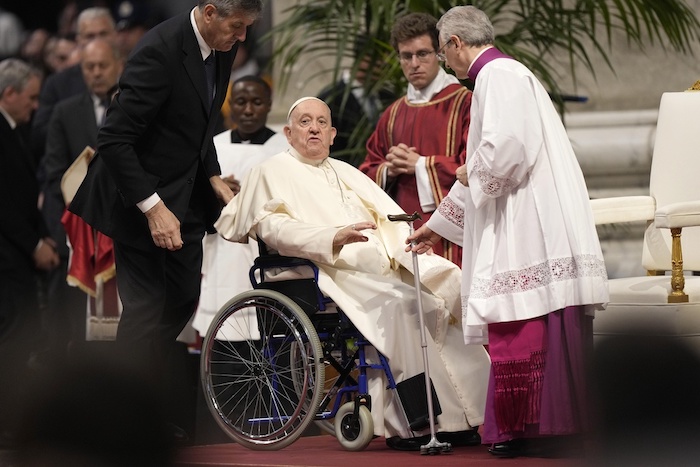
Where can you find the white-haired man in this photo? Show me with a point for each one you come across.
(303, 203)
(533, 271)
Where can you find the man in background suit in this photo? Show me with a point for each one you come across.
(154, 185)
(73, 126)
(93, 23)
(25, 245)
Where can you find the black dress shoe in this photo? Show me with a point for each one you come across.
(455, 438)
(513, 448)
(460, 438)
(407, 444)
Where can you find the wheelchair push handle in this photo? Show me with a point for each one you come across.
(404, 217)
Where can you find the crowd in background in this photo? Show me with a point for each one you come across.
(417, 168)
(49, 40)
(55, 41)
(76, 51)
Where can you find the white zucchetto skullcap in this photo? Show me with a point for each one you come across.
(300, 100)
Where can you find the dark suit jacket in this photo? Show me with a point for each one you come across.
(57, 87)
(157, 136)
(21, 224)
(71, 128)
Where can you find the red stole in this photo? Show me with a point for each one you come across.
(437, 129)
(92, 254)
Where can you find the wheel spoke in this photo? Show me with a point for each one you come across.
(262, 369)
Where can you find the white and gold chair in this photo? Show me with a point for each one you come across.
(667, 300)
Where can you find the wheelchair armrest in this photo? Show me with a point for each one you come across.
(267, 260)
(262, 263)
(301, 290)
(278, 261)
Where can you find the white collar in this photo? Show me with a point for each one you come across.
(203, 46)
(441, 81)
(11, 121)
(306, 160)
(95, 99)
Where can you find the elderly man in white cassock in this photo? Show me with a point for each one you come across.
(302, 203)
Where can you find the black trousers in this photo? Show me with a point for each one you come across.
(63, 319)
(159, 290)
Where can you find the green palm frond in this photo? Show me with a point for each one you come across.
(539, 33)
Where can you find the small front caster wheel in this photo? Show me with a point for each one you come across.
(354, 433)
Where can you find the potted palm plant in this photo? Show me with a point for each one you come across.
(540, 33)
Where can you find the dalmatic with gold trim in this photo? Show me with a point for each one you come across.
(437, 129)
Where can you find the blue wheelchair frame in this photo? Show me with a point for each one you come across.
(343, 332)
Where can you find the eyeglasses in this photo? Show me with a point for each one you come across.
(441, 53)
(422, 55)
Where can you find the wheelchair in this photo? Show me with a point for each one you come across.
(281, 356)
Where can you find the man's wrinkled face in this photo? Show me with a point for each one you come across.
(101, 69)
(97, 28)
(222, 32)
(250, 104)
(20, 104)
(453, 59)
(418, 61)
(310, 131)
(59, 58)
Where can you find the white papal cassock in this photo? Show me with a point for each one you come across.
(225, 264)
(296, 206)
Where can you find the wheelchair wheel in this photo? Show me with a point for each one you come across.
(354, 434)
(262, 370)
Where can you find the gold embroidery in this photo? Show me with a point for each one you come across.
(380, 174)
(435, 101)
(393, 110)
(453, 139)
(434, 179)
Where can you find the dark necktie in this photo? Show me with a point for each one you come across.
(210, 68)
(105, 105)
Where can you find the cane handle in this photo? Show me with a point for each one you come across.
(404, 217)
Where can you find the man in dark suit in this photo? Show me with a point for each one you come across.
(92, 23)
(154, 185)
(73, 126)
(25, 245)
